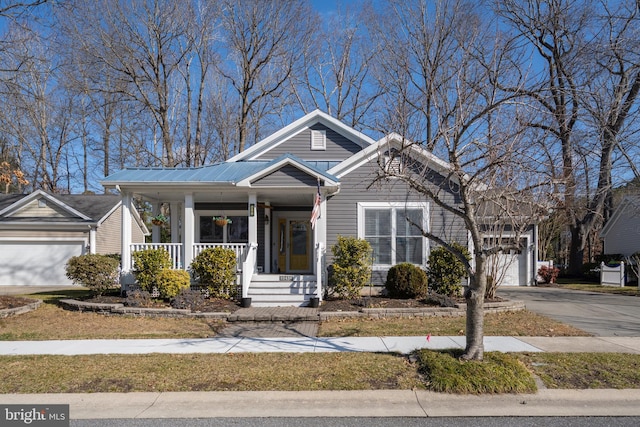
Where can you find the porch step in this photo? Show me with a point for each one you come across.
(273, 290)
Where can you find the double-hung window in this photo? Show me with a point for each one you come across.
(394, 232)
(235, 231)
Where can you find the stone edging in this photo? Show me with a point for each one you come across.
(120, 309)
(6, 312)
(367, 313)
(458, 310)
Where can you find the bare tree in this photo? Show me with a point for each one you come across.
(264, 44)
(588, 87)
(337, 74)
(445, 66)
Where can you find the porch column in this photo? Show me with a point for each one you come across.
(155, 229)
(321, 246)
(92, 240)
(125, 230)
(267, 237)
(188, 230)
(253, 219)
(174, 217)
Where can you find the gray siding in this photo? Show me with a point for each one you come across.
(288, 176)
(338, 147)
(342, 209)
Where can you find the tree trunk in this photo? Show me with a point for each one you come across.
(474, 297)
(576, 251)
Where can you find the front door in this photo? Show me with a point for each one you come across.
(294, 245)
(299, 245)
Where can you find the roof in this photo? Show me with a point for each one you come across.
(227, 173)
(630, 201)
(299, 125)
(88, 208)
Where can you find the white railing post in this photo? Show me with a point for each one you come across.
(248, 268)
(319, 276)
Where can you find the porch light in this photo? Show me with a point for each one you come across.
(252, 209)
(266, 219)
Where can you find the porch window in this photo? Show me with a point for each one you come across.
(391, 232)
(237, 231)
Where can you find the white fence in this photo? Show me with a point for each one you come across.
(612, 276)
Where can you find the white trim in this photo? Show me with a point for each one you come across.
(296, 127)
(18, 205)
(363, 206)
(84, 241)
(246, 182)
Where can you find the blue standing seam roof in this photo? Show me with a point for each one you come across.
(227, 172)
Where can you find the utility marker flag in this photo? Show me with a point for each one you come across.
(315, 213)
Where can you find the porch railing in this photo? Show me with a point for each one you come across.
(238, 248)
(174, 249)
(248, 267)
(319, 269)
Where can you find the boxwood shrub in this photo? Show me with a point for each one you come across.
(147, 265)
(351, 268)
(406, 280)
(99, 273)
(171, 282)
(215, 268)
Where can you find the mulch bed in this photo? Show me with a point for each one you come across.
(209, 305)
(7, 301)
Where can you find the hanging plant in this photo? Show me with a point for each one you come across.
(159, 220)
(222, 220)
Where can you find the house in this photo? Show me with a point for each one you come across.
(316, 166)
(621, 234)
(39, 232)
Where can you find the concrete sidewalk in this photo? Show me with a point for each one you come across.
(402, 345)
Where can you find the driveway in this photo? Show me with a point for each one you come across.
(603, 315)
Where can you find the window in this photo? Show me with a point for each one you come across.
(237, 231)
(394, 232)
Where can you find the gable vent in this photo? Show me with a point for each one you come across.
(318, 140)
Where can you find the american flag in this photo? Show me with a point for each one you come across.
(315, 213)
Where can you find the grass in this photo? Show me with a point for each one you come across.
(585, 370)
(51, 322)
(498, 373)
(437, 371)
(206, 372)
(519, 323)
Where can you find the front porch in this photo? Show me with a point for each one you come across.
(280, 255)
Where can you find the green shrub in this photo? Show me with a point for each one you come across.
(406, 280)
(351, 269)
(445, 271)
(215, 268)
(171, 282)
(97, 272)
(147, 266)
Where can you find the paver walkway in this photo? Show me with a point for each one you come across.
(272, 322)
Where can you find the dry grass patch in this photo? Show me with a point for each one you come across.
(585, 370)
(518, 323)
(206, 372)
(50, 322)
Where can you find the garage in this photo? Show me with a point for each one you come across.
(26, 263)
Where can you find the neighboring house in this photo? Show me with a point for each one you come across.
(269, 192)
(39, 232)
(621, 234)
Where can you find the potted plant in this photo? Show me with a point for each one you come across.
(159, 219)
(222, 220)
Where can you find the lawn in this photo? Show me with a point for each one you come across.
(437, 371)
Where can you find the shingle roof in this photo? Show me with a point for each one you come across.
(92, 206)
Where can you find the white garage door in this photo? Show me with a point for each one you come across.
(39, 263)
(513, 268)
